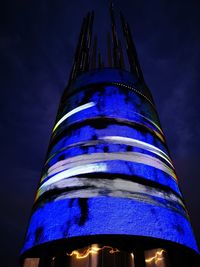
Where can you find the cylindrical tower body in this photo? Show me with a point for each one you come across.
(108, 177)
(109, 194)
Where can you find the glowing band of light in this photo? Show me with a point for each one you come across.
(72, 112)
(158, 257)
(91, 250)
(136, 157)
(95, 193)
(119, 140)
(66, 168)
(90, 168)
(140, 144)
(150, 122)
(116, 188)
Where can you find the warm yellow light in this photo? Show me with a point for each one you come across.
(132, 255)
(158, 256)
(91, 250)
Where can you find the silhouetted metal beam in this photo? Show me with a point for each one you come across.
(83, 52)
(75, 66)
(116, 57)
(100, 63)
(88, 41)
(121, 56)
(131, 50)
(94, 54)
(109, 51)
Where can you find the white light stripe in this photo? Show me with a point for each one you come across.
(114, 188)
(99, 157)
(134, 142)
(118, 140)
(72, 112)
(89, 168)
(150, 122)
(115, 185)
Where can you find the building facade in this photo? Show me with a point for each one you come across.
(109, 193)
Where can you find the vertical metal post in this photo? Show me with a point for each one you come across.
(121, 56)
(109, 52)
(94, 54)
(75, 66)
(116, 57)
(131, 50)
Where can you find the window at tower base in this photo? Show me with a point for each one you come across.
(97, 255)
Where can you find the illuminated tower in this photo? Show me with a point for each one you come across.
(108, 195)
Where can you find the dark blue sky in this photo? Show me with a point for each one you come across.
(37, 43)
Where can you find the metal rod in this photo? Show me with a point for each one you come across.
(83, 54)
(109, 52)
(121, 56)
(75, 66)
(88, 41)
(131, 50)
(99, 60)
(94, 54)
(116, 60)
(134, 52)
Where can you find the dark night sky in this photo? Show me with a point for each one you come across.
(37, 43)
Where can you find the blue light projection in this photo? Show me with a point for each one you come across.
(108, 159)
(64, 219)
(109, 102)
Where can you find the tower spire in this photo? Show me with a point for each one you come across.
(131, 50)
(82, 55)
(109, 50)
(116, 51)
(94, 53)
(75, 66)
